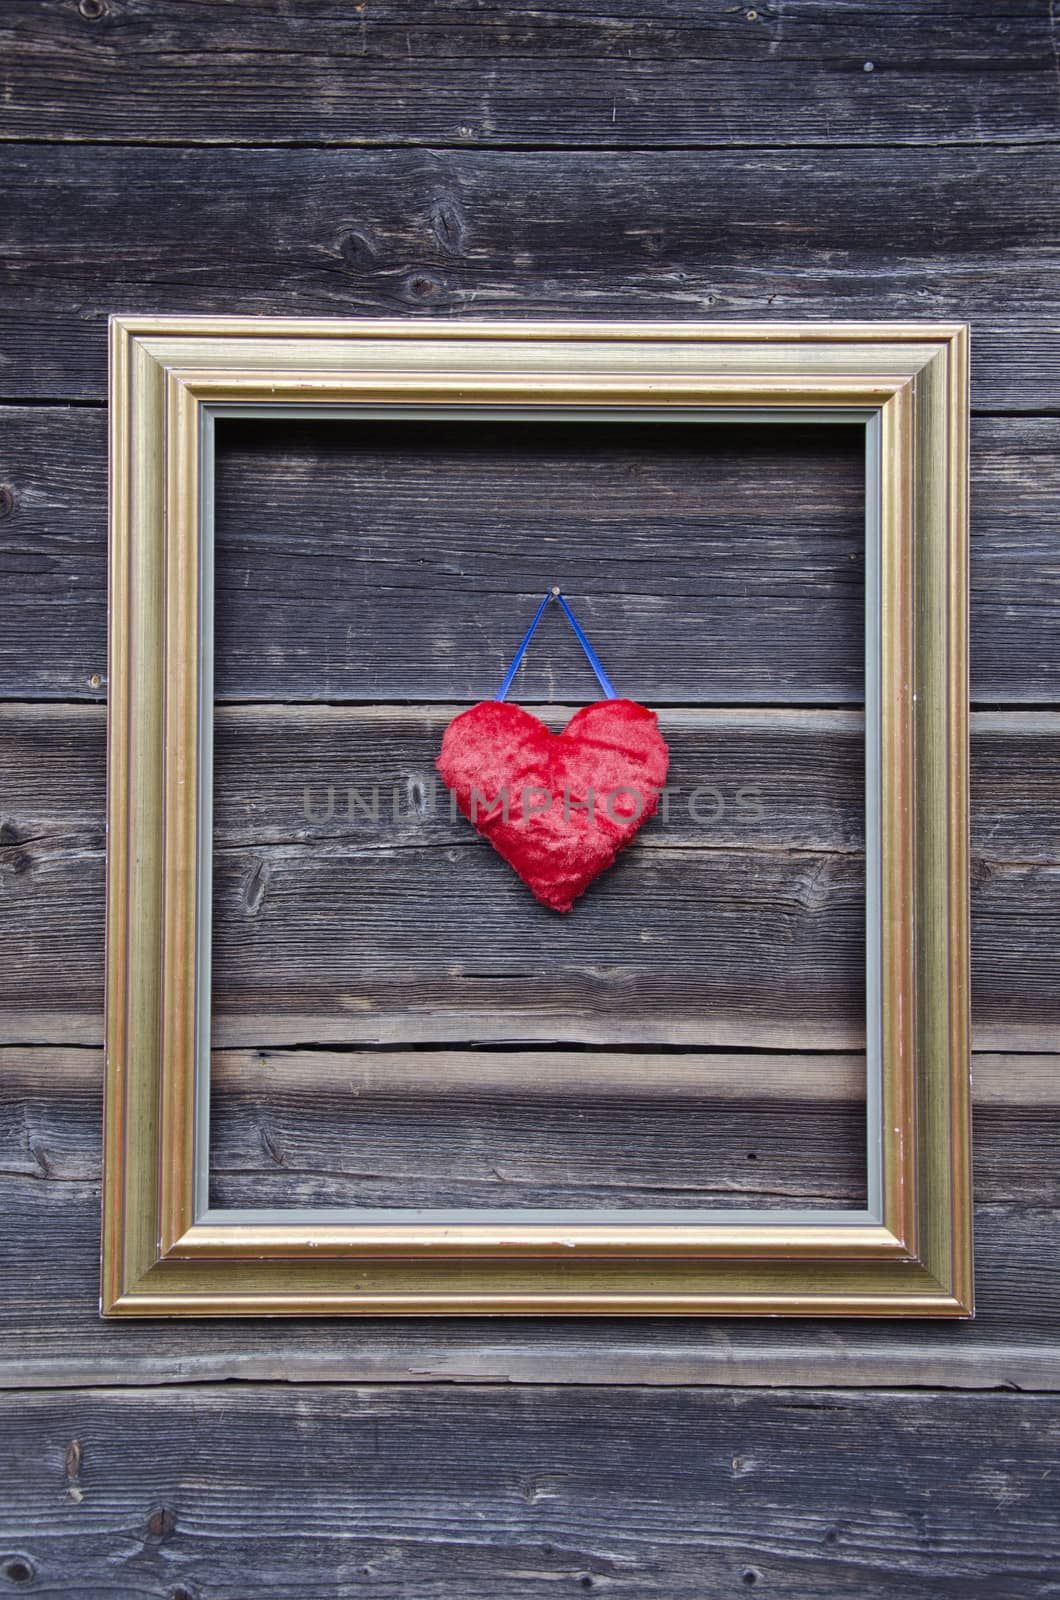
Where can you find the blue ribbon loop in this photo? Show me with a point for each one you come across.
(590, 654)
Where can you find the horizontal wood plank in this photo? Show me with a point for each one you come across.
(53, 1335)
(584, 1128)
(444, 1128)
(939, 232)
(336, 585)
(587, 1128)
(790, 779)
(273, 1109)
(638, 73)
(337, 1491)
(50, 1332)
(382, 557)
(322, 926)
(50, 1128)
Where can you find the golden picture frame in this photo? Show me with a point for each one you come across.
(164, 1251)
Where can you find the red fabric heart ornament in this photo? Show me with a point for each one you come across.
(557, 806)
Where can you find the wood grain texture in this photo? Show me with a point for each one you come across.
(302, 619)
(50, 1333)
(940, 232)
(682, 549)
(588, 1128)
(444, 1128)
(323, 930)
(453, 1127)
(654, 74)
(538, 1455)
(338, 1491)
(404, 1127)
(341, 775)
(53, 1336)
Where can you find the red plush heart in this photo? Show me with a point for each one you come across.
(558, 806)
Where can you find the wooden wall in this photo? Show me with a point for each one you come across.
(798, 159)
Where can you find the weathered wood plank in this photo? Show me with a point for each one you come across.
(628, 74)
(341, 908)
(784, 779)
(49, 1107)
(53, 1336)
(779, 779)
(50, 1332)
(896, 233)
(690, 552)
(314, 608)
(443, 1129)
(585, 1128)
(362, 960)
(338, 1491)
(53, 552)
(789, 779)
(672, 947)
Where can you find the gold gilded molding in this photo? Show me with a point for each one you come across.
(164, 1252)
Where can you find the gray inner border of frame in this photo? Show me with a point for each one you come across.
(344, 1216)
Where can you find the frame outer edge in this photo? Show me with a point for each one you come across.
(134, 877)
(959, 694)
(132, 1193)
(112, 1274)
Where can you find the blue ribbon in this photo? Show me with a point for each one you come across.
(590, 654)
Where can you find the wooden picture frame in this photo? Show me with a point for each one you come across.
(164, 1251)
